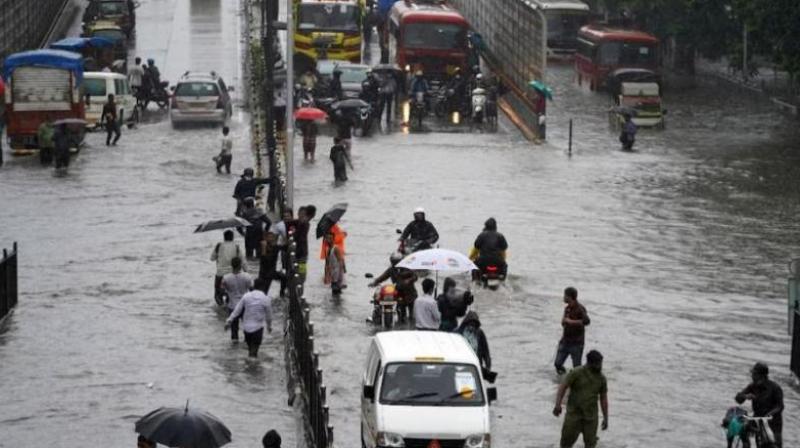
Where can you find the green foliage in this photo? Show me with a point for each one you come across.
(774, 27)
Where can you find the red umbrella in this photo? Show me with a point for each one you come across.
(310, 113)
(2, 87)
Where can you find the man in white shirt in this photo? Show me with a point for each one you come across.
(135, 76)
(254, 309)
(426, 311)
(223, 253)
(236, 285)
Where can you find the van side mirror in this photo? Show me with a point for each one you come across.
(492, 393)
(369, 392)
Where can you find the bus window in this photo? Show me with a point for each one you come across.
(626, 53)
(437, 36)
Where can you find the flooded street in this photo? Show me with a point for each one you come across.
(116, 315)
(678, 250)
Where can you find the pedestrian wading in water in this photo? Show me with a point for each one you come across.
(335, 268)
(255, 310)
(340, 160)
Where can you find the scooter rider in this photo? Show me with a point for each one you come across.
(420, 231)
(628, 135)
(419, 84)
(489, 248)
(404, 280)
(370, 88)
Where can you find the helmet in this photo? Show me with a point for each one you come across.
(248, 171)
(760, 369)
(395, 257)
(479, 76)
(151, 61)
(418, 73)
(419, 210)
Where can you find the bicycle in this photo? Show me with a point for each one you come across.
(759, 426)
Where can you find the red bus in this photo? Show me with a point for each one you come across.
(602, 49)
(430, 36)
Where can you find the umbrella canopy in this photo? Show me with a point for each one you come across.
(219, 224)
(386, 68)
(353, 103)
(70, 121)
(310, 113)
(2, 87)
(439, 260)
(542, 88)
(330, 218)
(183, 428)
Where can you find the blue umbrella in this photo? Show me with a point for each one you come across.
(542, 88)
(182, 427)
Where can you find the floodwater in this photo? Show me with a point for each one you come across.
(678, 250)
(115, 316)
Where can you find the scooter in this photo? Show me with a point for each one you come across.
(409, 245)
(158, 95)
(493, 275)
(478, 107)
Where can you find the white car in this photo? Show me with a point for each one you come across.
(421, 387)
(96, 88)
(200, 98)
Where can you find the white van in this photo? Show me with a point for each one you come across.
(424, 389)
(96, 88)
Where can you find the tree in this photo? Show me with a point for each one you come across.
(774, 27)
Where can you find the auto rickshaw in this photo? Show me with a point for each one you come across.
(97, 52)
(119, 12)
(637, 93)
(119, 50)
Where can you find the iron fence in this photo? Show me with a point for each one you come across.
(795, 362)
(24, 24)
(8, 281)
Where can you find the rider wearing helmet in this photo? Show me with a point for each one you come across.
(153, 73)
(370, 88)
(404, 280)
(767, 399)
(420, 231)
(419, 83)
(490, 247)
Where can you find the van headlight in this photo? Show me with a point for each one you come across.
(478, 441)
(390, 440)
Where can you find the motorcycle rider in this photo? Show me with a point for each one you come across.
(628, 135)
(404, 280)
(370, 89)
(458, 86)
(419, 84)
(489, 249)
(420, 231)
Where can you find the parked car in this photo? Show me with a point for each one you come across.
(200, 97)
(97, 86)
(119, 12)
(352, 75)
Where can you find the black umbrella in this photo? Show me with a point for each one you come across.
(353, 103)
(330, 218)
(221, 224)
(183, 428)
(386, 68)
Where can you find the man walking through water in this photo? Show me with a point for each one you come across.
(586, 385)
(574, 322)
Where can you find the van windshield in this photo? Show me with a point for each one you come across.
(434, 384)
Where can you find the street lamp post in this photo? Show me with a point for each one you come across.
(289, 103)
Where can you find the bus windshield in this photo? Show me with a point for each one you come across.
(626, 54)
(564, 24)
(431, 384)
(327, 17)
(434, 36)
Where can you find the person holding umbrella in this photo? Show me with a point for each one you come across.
(310, 131)
(183, 427)
(335, 268)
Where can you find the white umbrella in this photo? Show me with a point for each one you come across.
(439, 260)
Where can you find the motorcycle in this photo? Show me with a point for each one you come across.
(410, 245)
(304, 97)
(418, 109)
(478, 107)
(493, 275)
(384, 301)
(159, 95)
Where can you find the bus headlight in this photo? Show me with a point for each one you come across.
(478, 441)
(390, 440)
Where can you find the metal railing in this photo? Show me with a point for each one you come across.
(8, 282)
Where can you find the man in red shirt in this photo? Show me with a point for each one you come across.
(574, 322)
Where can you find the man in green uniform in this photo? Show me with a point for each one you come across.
(586, 384)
